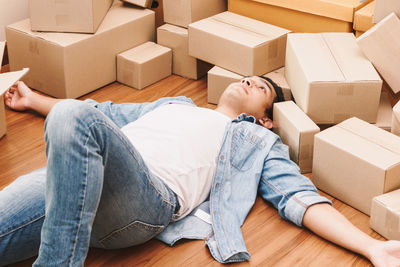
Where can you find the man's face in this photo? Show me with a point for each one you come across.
(251, 95)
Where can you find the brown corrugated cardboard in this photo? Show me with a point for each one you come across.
(363, 18)
(355, 161)
(6, 81)
(176, 38)
(2, 47)
(396, 119)
(301, 16)
(184, 12)
(219, 78)
(142, 3)
(144, 65)
(297, 131)
(381, 45)
(237, 43)
(68, 15)
(384, 8)
(384, 118)
(68, 65)
(278, 76)
(385, 215)
(330, 78)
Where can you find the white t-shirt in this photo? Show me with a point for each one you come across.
(180, 144)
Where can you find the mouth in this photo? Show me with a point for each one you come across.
(244, 89)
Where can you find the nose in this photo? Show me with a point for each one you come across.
(248, 82)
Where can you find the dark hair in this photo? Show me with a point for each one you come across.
(278, 98)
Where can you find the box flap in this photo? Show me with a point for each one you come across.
(300, 120)
(315, 57)
(384, 118)
(349, 57)
(337, 9)
(364, 141)
(390, 200)
(144, 52)
(373, 134)
(2, 47)
(239, 29)
(396, 111)
(9, 78)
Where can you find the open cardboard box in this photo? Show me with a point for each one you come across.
(6, 81)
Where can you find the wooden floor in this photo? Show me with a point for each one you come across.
(270, 240)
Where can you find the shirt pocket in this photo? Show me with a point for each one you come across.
(244, 149)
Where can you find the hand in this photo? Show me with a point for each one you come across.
(385, 254)
(17, 97)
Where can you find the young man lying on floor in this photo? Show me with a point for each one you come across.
(119, 175)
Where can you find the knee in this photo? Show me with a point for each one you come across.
(65, 117)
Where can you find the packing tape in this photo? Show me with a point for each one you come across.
(273, 49)
(60, 1)
(233, 23)
(346, 89)
(305, 152)
(34, 47)
(62, 20)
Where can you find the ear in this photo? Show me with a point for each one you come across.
(266, 122)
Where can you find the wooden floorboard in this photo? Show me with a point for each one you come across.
(270, 240)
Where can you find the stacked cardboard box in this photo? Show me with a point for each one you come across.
(301, 16)
(144, 65)
(355, 161)
(177, 39)
(183, 12)
(384, 117)
(68, 16)
(331, 80)
(396, 119)
(297, 131)
(363, 19)
(239, 44)
(219, 79)
(68, 65)
(381, 45)
(385, 215)
(142, 3)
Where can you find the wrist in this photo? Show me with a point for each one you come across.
(370, 247)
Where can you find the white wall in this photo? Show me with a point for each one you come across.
(11, 11)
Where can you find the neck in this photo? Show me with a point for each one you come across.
(227, 112)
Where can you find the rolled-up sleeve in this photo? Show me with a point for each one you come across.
(283, 185)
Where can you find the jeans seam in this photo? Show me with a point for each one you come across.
(21, 226)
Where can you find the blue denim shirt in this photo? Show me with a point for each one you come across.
(252, 160)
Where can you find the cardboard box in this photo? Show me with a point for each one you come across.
(381, 45)
(183, 65)
(330, 78)
(384, 118)
(297, 131)
(239, 44)
(6, 81)
(218, 80)
(69, 65)
(68, 15)
(12, 11)
(184, 12)
(384, 8)
(301, 16)
(142, 3)
(363, 19)
(385, 215)
(144, 65)
(355, 161)
(396, 119)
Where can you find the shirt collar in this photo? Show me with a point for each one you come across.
(244, 117)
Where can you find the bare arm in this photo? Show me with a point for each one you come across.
(20, 97)
(328, 223)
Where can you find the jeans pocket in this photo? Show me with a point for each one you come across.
(132, 234)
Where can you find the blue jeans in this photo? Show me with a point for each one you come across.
(96, 191)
